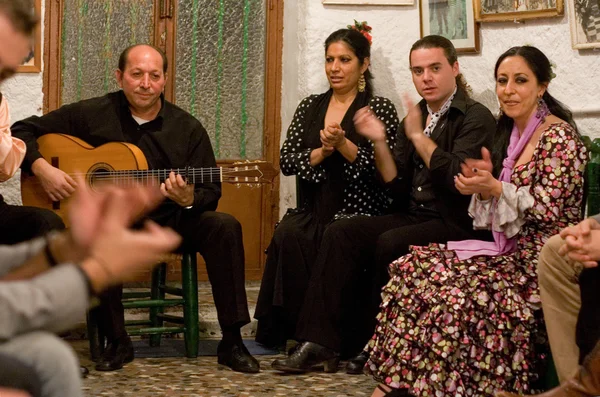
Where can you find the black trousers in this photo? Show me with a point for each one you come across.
(588, 322)
(354, 256)
(218, 238)
(21, 223)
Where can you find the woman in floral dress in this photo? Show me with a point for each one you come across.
(462, 319)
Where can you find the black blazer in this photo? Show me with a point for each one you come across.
(460, 134)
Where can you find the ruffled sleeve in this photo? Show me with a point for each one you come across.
(364, 164)
(12, 150)
(553, 174)
(295, 156)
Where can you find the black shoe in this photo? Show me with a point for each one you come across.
(116, 354)
(356, 365)
(84, 371)
(237, 357)
(306, 356)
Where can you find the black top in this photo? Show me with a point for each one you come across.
(174, 139)
(422, 195)
(459, 134)
(336, 187)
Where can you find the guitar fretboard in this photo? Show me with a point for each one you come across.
(190, 175)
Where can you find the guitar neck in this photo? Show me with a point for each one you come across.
(189, 174)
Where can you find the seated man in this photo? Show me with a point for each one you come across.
(169, 138)
(569, 279)
(46, 284)
(19, 223)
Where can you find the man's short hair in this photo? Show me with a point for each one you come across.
(21, 13)
(125, 54)
(436, 41)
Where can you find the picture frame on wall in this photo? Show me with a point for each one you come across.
(372, 2)
(453, 19)
(33, 62)
(517, 10)
(584, 19)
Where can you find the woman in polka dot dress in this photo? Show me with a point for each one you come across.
(336, 178)
(464, 319)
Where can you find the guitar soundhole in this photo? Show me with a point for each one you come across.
(100, 173)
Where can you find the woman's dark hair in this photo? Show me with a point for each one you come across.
(542, 69)
(435, 41)
(361, 48)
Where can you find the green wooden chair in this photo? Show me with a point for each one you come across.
(156, 300)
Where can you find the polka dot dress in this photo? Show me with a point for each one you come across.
(331, 190)
(467, 328)
(363, 194)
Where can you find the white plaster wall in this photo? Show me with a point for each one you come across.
(307, 23)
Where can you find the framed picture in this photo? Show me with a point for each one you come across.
(584, 18)
(33, 62)
(372, 2)
(515, 10)
(453, 19)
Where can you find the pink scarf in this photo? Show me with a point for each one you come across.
(501, 245)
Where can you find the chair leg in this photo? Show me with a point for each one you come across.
(189, 275)
(95, 338)
(157, 292)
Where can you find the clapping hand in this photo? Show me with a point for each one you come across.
(368, 125)
(485, 163)
(413, 124)
(333, 136)
(482, 183)
(101, 234)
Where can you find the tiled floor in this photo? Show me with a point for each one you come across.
(202, 376)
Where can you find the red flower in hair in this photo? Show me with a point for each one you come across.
(363, 28)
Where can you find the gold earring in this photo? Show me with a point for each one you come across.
(362, 83)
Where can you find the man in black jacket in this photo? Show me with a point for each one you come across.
(169, 138)
(426, 205)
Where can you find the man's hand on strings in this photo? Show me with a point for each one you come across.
(175, 188)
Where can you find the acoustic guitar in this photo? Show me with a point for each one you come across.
(123, 163)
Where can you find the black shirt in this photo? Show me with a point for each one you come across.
(459, 134)
(174, 139)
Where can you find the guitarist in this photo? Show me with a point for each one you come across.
(169, 137)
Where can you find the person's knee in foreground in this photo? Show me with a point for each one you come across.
(46, 284)
(53, 362)
(436, 136)
(576, 246)
(18, 377)
(461, 318)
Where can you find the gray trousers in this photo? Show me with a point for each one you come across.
(52, 360)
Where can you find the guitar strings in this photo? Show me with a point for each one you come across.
(228, 173)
